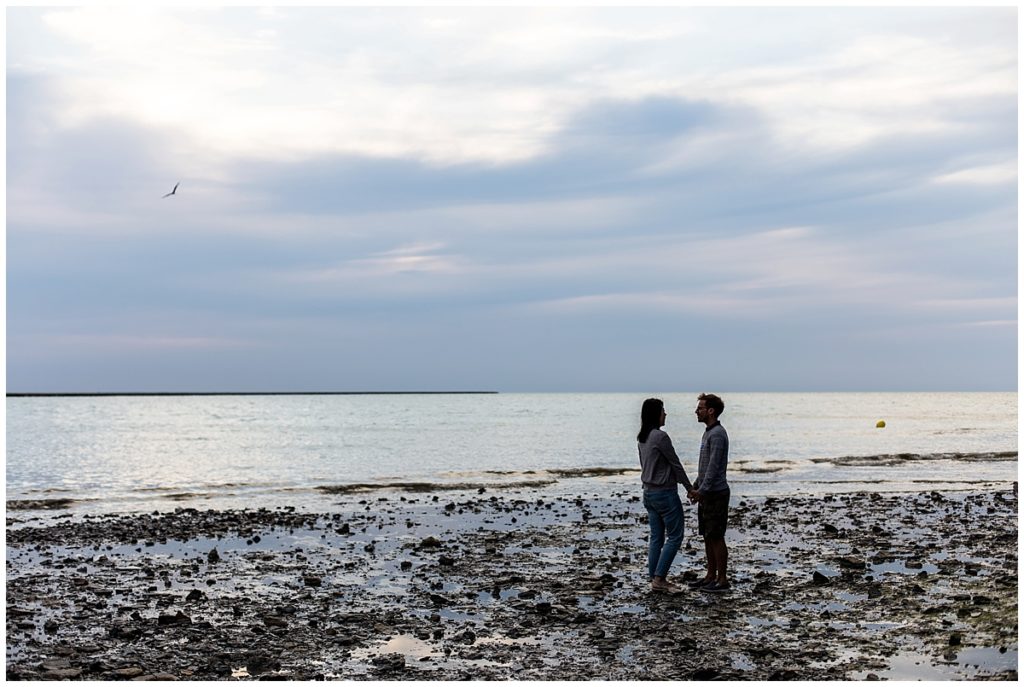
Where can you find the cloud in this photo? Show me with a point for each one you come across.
(518, 193)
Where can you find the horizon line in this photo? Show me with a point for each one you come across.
(31, 394)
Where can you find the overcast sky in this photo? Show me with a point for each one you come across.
(566, 199)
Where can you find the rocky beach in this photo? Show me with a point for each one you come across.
(526, 584)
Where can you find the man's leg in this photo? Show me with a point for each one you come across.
(702, 526)
(721, 557)
(709, 551)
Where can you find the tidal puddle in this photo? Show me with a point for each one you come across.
(988, 659)
(909, 665)
(851, 597)
(411, 647)
(900, 568)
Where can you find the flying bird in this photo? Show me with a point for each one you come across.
(172, 190)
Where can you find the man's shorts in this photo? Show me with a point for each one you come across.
(712, 514)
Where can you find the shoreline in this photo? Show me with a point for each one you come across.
(523, 585)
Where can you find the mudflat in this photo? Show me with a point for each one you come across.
(525, 584)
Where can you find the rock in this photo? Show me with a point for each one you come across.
(312, 581)
(955, 639)
(128, 673)
(389, 662)
(255, 664)
(213, 556)
(178, 618)
(704, 674)
(818, 578)
(128, 634)
(405, 565)
(62, 674)
(274, 621)
(851, 563)
(430, 543)
(446, 560)
(53, 664)
(156, 677)
(194, 595)
(785, 674)
(831, 529)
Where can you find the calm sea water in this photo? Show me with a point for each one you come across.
(131, 453)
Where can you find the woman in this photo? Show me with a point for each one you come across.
(661, 471)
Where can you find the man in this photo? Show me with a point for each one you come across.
(711, 492)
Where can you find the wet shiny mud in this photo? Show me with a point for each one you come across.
(520, 585)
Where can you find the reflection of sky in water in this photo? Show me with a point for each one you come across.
(252, 448)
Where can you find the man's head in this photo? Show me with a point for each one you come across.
(709, 408)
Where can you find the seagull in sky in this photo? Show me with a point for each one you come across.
(172, 190)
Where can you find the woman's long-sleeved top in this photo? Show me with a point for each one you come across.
(660, 466)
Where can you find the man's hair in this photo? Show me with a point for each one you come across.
(713, 402)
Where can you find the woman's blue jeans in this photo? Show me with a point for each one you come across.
(665, 515)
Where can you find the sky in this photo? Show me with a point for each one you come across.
(527, 199)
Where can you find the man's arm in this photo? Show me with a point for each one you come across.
(718, 449)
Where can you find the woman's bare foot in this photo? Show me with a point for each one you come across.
(661, 585)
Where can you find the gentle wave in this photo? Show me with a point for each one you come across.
(891, 459)
(559, 472)
(42, 504)
(432, 486)
(218, 486)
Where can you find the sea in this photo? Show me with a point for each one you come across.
(110, 454)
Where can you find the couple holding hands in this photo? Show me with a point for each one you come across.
(661, 473)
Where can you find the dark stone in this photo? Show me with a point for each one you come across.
(389, 662)
(785, 674)
(851, 563)
(818, 578)
(255, 664)
(705, 674)
(178, 618)
(213, 556)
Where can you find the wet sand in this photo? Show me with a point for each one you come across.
(525, 584)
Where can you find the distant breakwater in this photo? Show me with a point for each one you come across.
(88, 394)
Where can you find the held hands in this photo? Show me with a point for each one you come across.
(693, 495)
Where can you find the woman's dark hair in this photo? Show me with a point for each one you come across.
(650, 417)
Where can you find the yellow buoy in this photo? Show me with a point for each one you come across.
(880, 423)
